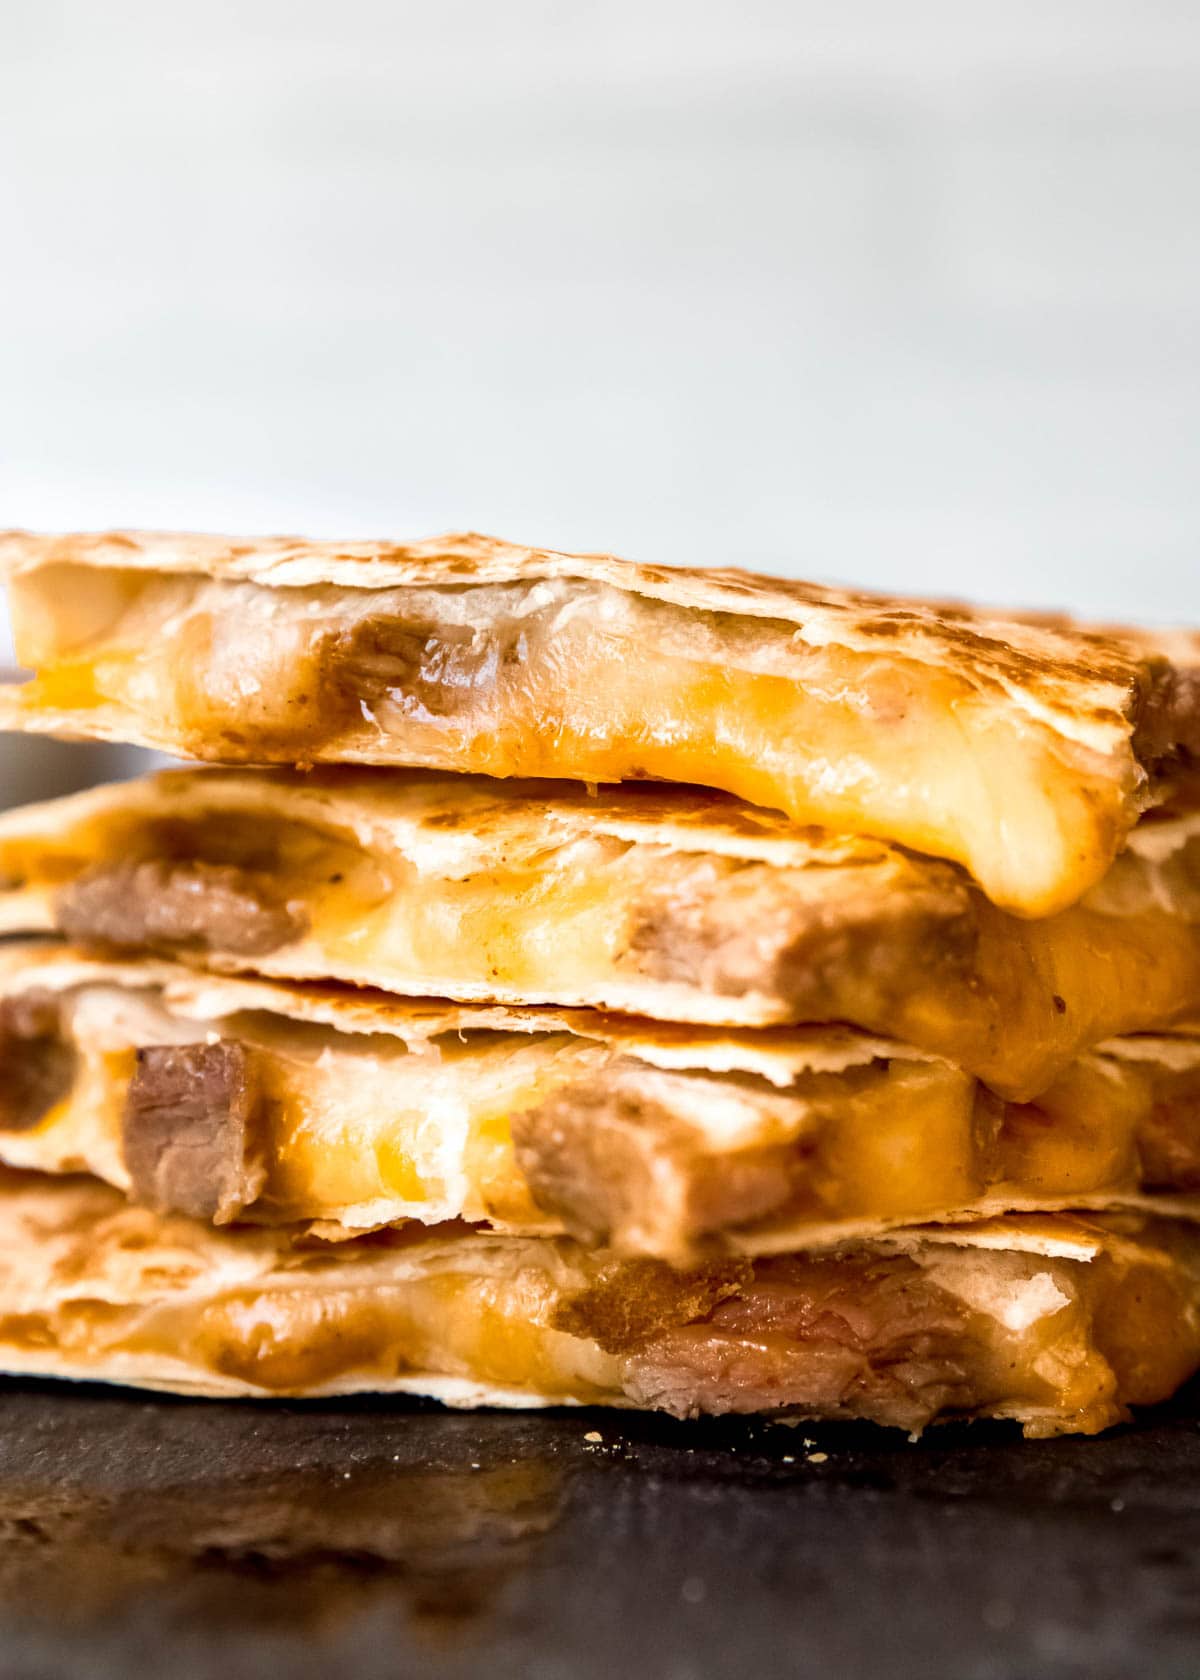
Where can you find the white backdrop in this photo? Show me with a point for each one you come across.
(904, 294)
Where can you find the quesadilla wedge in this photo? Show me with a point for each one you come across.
(1023, 750)
(662, 902)
(1060, 1323)
(243, 1100)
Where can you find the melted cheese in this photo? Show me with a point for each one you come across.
(359, 1131)
(434, 902)
(1065, 1345)
(609, 687)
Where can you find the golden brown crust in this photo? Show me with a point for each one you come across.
(1049, 661)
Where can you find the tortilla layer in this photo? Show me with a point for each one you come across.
(1062, 1323)
(907, 720)
(240, 1100)
(666, 903)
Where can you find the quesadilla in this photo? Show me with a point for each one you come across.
(663, 902)
(1062, 1323)
(241, 1100)
(1024, 750)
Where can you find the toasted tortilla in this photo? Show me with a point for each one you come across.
(906, 720)
(251, 1101)
(1063, 1333)
(663, 902)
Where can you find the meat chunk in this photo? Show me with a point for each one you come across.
(190, 1129)
(1169, 1133)
(1167, 724)
(429, 669)
(178, 906)
(863, 1337)
(621, 1169)
(727, 926)
(37, 1059)
(628, 1304)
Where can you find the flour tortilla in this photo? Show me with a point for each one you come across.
(349, 1110)
(909, 720)
(94, 1289)
(661, 902)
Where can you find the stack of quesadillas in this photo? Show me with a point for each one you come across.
(588, 982)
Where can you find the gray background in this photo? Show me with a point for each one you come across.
(901, 294)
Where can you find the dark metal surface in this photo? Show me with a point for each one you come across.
(166, 1538)
(39, 767)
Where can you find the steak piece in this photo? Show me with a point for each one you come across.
(723, 925)
(870, 1337)
(622, 1170)
(178, 906)
(189, 1130)
(1167, 726)
(424, 667)
(432, 668)
(37, 1060)
(1169, 1133)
